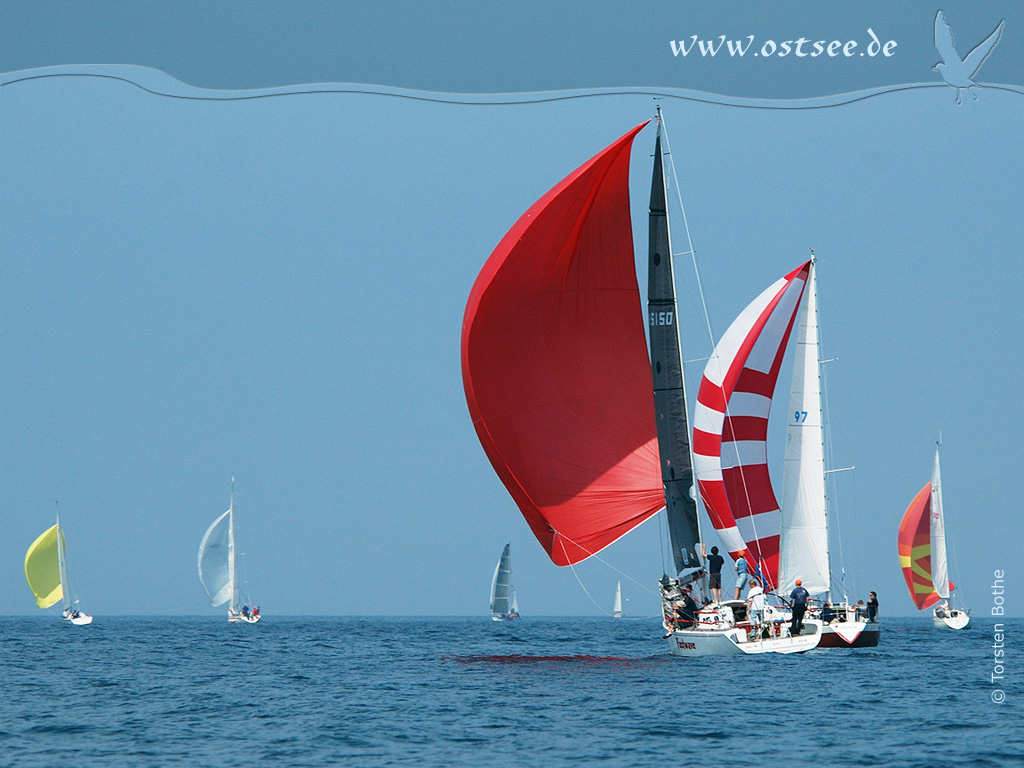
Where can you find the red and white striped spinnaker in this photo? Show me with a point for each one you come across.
(730, 426)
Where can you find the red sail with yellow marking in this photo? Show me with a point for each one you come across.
(555, 365)
(915, 550)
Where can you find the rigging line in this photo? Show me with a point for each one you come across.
(600, 560)
(661, 542)
(580, 581)
(686, 229)
(831, 510)
(952, 547)
(600, 607)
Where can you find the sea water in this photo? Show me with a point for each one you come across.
(292, 691)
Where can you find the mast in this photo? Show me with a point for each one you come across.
(803, 548)
(231, 550)
(62, 568)
(940, 569)
(667, 372)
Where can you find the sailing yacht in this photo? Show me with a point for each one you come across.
(922, 551)
(789, 541)
(587, 432)
(47, 574)
(617, 606)
(503, 595)
(217, 570)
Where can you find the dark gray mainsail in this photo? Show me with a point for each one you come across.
(669, 387)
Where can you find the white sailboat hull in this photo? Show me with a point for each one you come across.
(80, 620)
(953, 620)
(234, 618)
(735, 641)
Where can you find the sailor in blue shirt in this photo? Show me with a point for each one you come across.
(741, 572)
(798, 597)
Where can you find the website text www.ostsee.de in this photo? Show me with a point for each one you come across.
(801, 47)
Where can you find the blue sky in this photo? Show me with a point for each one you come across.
(273, 289)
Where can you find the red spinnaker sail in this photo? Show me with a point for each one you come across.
(915, 550)
(730, 425)
(555, 365)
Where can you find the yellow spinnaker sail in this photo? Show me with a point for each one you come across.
(42, 569)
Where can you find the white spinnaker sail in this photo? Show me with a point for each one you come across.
(940, 569)
(500, 582)
(803, 547)
(217, 560)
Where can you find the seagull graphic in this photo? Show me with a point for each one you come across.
(955, 72)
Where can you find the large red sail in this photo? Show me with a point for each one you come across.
(730, 426)
(915, 550)
(555, 366)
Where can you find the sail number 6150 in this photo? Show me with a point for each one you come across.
(661, 318)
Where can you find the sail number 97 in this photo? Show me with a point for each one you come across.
(661, 318)
(800, 416)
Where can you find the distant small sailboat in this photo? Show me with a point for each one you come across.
(504, 605)
(922, 551)
(47, 574)
(217, 567)
(617, 607)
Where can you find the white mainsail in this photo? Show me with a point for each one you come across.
(617, 607)
(940, 569)
(500, 584)
(217, 560)
(803, 547)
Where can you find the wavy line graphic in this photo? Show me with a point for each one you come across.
(159, 83)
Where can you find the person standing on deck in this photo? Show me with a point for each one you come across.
(872, 606)
(715, 563)
(741, 572)
(755, 604)
(798, 597)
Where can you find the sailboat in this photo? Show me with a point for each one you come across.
(789, 541)
(588, 434)
(503, 595)
(47, 574)
(922, 551)
(217, 569)
(617, 606)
